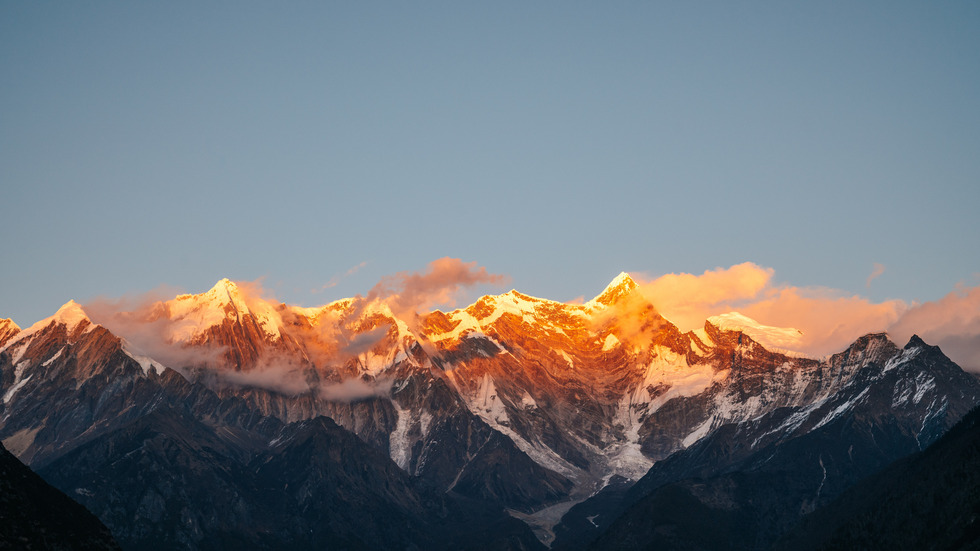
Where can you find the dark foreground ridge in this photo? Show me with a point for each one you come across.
(35, 515)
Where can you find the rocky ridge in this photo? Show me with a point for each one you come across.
(514, 401)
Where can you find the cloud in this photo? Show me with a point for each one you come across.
(830, 320)
(875, 272)
(355, 344)
(140, 319)
(952, 323)
(408, 293)
(284, 377)
(355, 389)
(335, 280)
(687, 299)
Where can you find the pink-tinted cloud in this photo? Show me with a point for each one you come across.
(876, 271)
(952, 323)
(687, 299)
(141, 320)
(407, 293)
(829, 320)
(335, 280)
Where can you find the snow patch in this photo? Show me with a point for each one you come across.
(901, 359)
(146, 363)
(13, 390)
(398, 444)
(841, 409)
(610, 343)
(489, 404)
(698, 433)
(702, 336)
(52, 359)
(782, 338)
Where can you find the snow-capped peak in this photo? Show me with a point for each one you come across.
(618, 288)
(773, 338)
(196, 313)
(226, 291)
(71, 315)
(8, 329)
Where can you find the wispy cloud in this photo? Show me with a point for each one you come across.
(875, 272)
(408, 293)
(952, 323)
(829, 319)
(335, 280)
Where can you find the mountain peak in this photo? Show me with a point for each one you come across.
(224, 293)
(225, 284)
(8, 330)
(224, 300)
(71, 314)
(618, 288)
(226, 289)
(916, 342)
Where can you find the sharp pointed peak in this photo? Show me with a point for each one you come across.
(619, 287)
(915, 341)
(71, 311)
(622, 279)
(8, 330)
(223, 295)
(224, 291)
(71, 314)
(225, 285)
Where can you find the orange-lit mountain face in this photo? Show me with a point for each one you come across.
(520, 401)
(7, 330)
(587, 390)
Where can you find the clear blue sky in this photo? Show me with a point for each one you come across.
(149, 143)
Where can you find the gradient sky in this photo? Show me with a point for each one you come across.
(146, 144)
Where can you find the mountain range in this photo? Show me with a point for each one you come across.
(225, 419)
